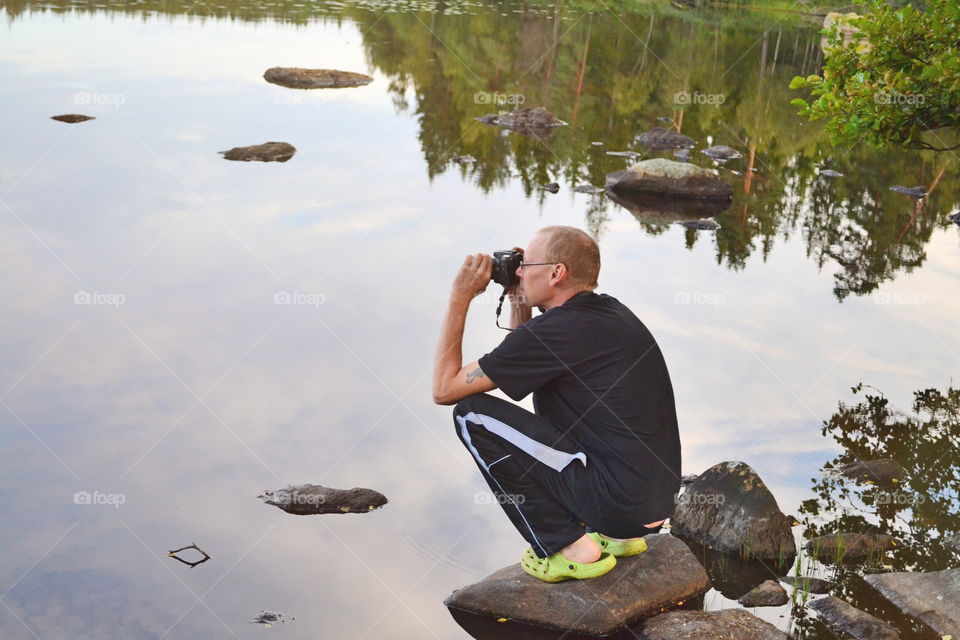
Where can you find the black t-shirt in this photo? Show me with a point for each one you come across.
(596, 372)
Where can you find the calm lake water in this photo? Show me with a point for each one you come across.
(149, 360)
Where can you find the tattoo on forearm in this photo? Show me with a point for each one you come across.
(476, 374)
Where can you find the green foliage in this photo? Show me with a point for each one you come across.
(890, 76)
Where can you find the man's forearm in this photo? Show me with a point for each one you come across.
(449, 356)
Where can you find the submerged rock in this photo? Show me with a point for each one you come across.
(704, 224)
(533, 121)
(659, 175)
(623, 154)
(913, 192)
(767, 594)
(638, 587)
(883, 471)
(933, 598)
(467, 159)
(268, 618)
(72, 118)
(849, 547)
(816, 586)
(660, 138)
(722, 152)
(730, 509)
(552, 187)
(830, 173)
(587, 188)
(844, 618)
(735, 624)
(266, 152)
(310, 499)
(299, 78)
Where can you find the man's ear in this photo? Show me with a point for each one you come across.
(559, 274)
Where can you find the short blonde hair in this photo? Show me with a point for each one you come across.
(575, 249)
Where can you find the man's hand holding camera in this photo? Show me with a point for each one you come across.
(472, 278)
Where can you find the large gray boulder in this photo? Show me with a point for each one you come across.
(667, 177)
(639, 586)
(850, 547)
(933, 598)
(844, 618)
(730, 509)
(729, 624)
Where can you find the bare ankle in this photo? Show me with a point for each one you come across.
(583, 550)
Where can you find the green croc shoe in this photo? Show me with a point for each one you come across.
(619, 547)
(556, 568)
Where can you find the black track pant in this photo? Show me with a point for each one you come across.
(545, 484)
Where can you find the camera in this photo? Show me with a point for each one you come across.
(505, 265)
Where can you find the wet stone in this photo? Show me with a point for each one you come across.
(666, 177)
(552, 187)
(623, 154)
(72, 118)
(913, 192)
(883, 471)
(533, 121)
(638, 587)
(309, 499)
(721, 152)
(816, 586)
(933, 598)
(467, 159)
(730, 509)
(729, 624)
(660, 138)
(767, 594)
(587, 188)
(704, 224)
(682, 155)
(850, 547)
(268, 618)
(299, 78)
(266, 152)
(830, 173)
(844, 618)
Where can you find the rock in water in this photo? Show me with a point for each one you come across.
(587, 188)
(467, 159)
(849, 547)
(623, 154)
(883, 471)
(682, 155)
(721, 152)
(735, 624)
(298, 78)
(658, 175)
(638, 587)
(933, 598)
(954, 217)
(913, 192)
(815, 586)
(844, 618)
(830, 173)
(266, 152)
(729, 508)
(268, 618)
(309, 499)
(553, 187)
(768, 594)
(72, 118)
(533, 121)
(704, 224)
(660, 138)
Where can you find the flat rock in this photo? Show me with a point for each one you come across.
(830, 173)
(308, 499)
(850, 547)
(882, 471)
(668, 177)
(721, 152)
(730, 509)
(266, 152)
(268, 618)
(638, 587)
(933, 598)
(72, 118)
(816, 586)
(299, 78)
(587, 188)
(623, 154)
(767, 594)
(682, 155)
(660, 138)
(729, 624)
(913, 192)
(844, 618)
(704, 224)
(538, 122)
